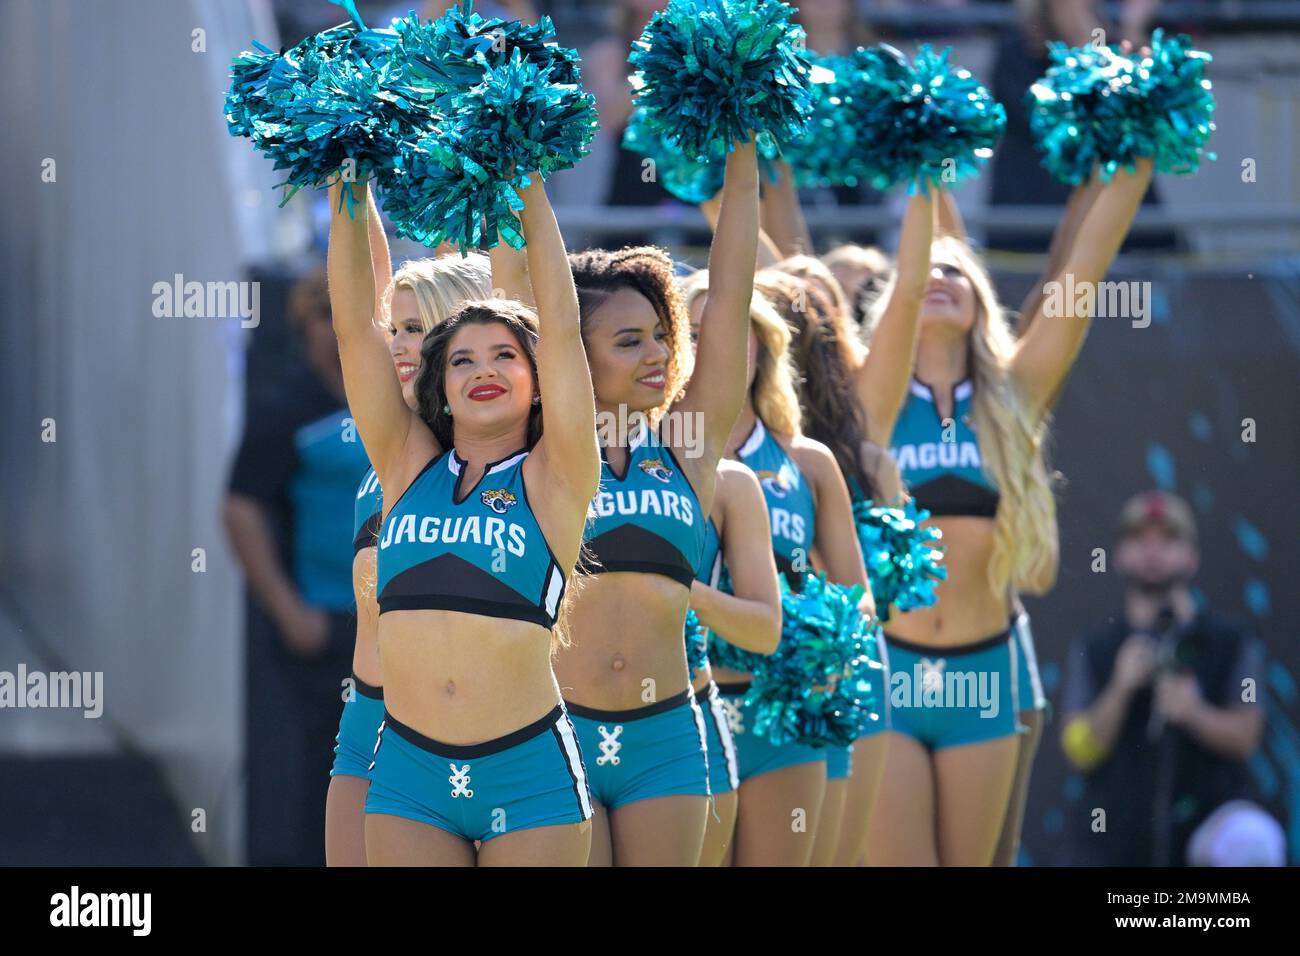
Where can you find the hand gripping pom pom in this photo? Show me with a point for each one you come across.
(1096, 107)
(902, 558)
(713, 72)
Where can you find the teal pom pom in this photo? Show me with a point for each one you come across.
(697, 645)
(926, 119)
(457, 184)
(812, 691)
(829, 152)
(321, 106)
(691, 182)
(449, 55)
(1096, 107)
(710, 72)
(903, 559)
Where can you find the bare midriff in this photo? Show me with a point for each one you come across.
(464, 678)
(628, 648)
(968, 609)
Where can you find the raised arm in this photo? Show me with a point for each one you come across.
(510, 274)
(883, 378)
(567, 450)
(1081, 200)
(1048, 349)
(948, 220)
(380, 257)
(782, 219)
(749, 618)
(718, 389)
(374, 394)
(768, 253)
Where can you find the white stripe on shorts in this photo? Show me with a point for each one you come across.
(572, 754)
(723, 726)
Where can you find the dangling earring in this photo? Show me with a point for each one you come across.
(537, 399)
(446, 410)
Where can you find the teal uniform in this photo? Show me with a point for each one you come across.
(646, 520)
(984, 683)
(791, 512)
(363, 709)
(479, 551)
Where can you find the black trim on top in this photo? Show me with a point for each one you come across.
(959, 651)
(638, 713)
(679, 573)
(367, 690)
(470, 751)
(460, 473)
(735, 688)
(455, 602)
(368, 535)
(952, 394)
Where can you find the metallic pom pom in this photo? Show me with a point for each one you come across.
(903, 559)
(713, 72)
(1096, 107)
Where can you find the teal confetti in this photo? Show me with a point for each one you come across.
(1250, 539)
(1257, 598)
(1160, 465)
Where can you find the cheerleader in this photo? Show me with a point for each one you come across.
(823, 362)
(470, 573)
(968, 442)
(625, 679)
(782, 787)
(421, 294)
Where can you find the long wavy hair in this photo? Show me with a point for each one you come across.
(440, 285)
(598, 274)
(831, 411)
(773, 393)
(816, 273)
(1011, 440)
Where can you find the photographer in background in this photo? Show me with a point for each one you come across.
(1161, 715)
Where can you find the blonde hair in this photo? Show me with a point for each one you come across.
(773, 394)
(1011, 438)
(441, 285)
(811, 269)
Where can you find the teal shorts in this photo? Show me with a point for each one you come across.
(533, 777)
(756, 754)
(354, 747)
(953, 696)
(653, 751)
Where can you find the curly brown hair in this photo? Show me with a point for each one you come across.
(831, 412)
(599, 273)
